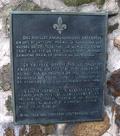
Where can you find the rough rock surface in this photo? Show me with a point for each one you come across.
(8, 104)
(88, 8)
(79, 2)
(5, 75)
(113, 27)
(9, 132)
(113, 62)
(92, 128)
(111, 6)
(35, 130)
(114, 83)
(54, 5)
(117, 42)
(117, 116)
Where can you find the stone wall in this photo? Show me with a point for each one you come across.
(111, 124)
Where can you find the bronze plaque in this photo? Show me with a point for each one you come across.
(59, 66)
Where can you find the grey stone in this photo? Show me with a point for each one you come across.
(111, 6)
(54, 5)
(92, 7)
(111, 28)
(5, 77)
(3, 3)
(117, 42)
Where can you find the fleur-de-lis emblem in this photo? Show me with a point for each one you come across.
(60, 26)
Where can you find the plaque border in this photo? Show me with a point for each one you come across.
(101, 13)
